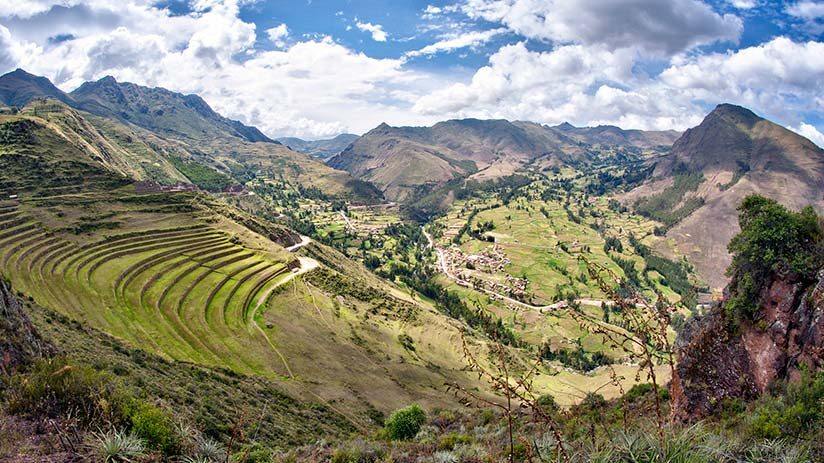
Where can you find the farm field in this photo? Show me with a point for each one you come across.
(181, 285)
(172, 275)
(543, 245)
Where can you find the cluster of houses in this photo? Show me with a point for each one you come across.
(490, 260)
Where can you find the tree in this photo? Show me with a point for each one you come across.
(773, 241)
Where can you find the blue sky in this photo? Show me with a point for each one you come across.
(315, 68)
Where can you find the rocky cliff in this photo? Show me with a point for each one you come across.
(718, 362)
(19, 342)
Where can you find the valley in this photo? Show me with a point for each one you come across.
(375, 272)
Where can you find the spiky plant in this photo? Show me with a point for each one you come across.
(210, 449)
(117, 447)
(196, 459)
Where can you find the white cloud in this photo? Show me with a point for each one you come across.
(654, 26)
(315, 87)
(378, 34)
(811, 133)
(278, 35)
(591, 85)
(780, 77)
(312, 88)
(458, 41)
(808, 10)
(743, 4)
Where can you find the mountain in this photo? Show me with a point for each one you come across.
(321, 149)
(19, 87)
(696, 188)
(611, 135)
(407, 161)
(183, 275)
(159, 110)
(157, 135)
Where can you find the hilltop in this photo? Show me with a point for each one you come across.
(695, 189)
(160, 110)
(156, 135)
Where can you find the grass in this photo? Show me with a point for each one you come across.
(135, 285)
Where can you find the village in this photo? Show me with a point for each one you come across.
(478, 271)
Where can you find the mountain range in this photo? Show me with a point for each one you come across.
(697, 178)
(157, 135)
(320, 149)
(408, 162)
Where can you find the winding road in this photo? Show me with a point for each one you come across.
(558, 305)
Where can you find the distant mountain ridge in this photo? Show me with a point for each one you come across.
(156, 109)
(406, 161)
(731, 154)
(18, 88)
(616, 136)
(153, 134)
(321, 149)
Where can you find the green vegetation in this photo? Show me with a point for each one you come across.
(204, 177)
(577, 358)
(117, 447)
(664, 207)
(405, 423)
(773, 241)
(793, 410)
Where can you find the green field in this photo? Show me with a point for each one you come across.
(176, 285)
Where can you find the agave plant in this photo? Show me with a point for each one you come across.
(117, 447)
(210, 449)
(196, 459)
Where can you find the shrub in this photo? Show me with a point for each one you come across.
(405, 423)
(792, 414)
(451, 440)
(55, 388)
(357, 452)
(547, 403)
(155, 427)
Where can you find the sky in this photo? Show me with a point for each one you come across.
(317, 68)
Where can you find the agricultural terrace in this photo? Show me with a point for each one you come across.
(187, 285)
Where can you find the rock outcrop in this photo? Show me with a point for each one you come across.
(716, 362)
(19, 341)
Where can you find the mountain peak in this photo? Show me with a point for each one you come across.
(17, 88)
(20, 74)
(107, 80)
(565, 126)
(735, 113)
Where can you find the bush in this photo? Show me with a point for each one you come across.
(547, 403)
(791, 414)
(405, 423)
(56, 388)
(357, 452)
(452, 440)
(773, 240)
(155, 427)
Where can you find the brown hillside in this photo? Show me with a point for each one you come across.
(738, 153)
